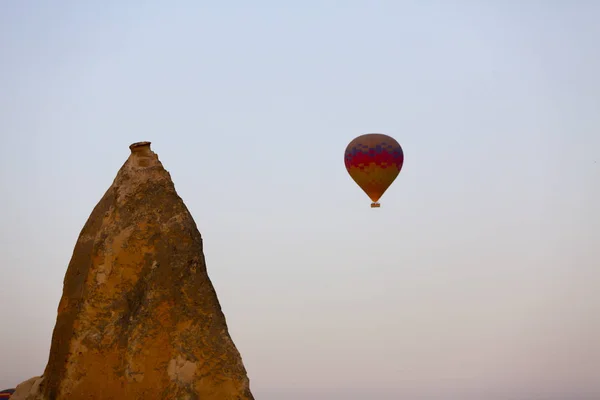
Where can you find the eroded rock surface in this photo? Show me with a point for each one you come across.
(139, 317)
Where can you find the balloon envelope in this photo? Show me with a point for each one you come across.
(374, 161)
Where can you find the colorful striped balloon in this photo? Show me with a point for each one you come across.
(374, 161)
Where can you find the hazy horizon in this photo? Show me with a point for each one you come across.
(478, 276)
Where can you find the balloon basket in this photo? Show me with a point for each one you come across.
(375, 205)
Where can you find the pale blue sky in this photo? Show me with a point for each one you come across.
(478, 276)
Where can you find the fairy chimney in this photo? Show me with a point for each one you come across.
(139, 317)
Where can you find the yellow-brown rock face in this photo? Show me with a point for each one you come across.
(139, 317)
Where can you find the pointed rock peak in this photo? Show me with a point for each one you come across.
(139, 317)
(142, 155)
(141, 168)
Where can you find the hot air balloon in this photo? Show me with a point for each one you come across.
(374, 161)
(6, 393)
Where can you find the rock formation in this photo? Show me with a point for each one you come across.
(139, 317)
